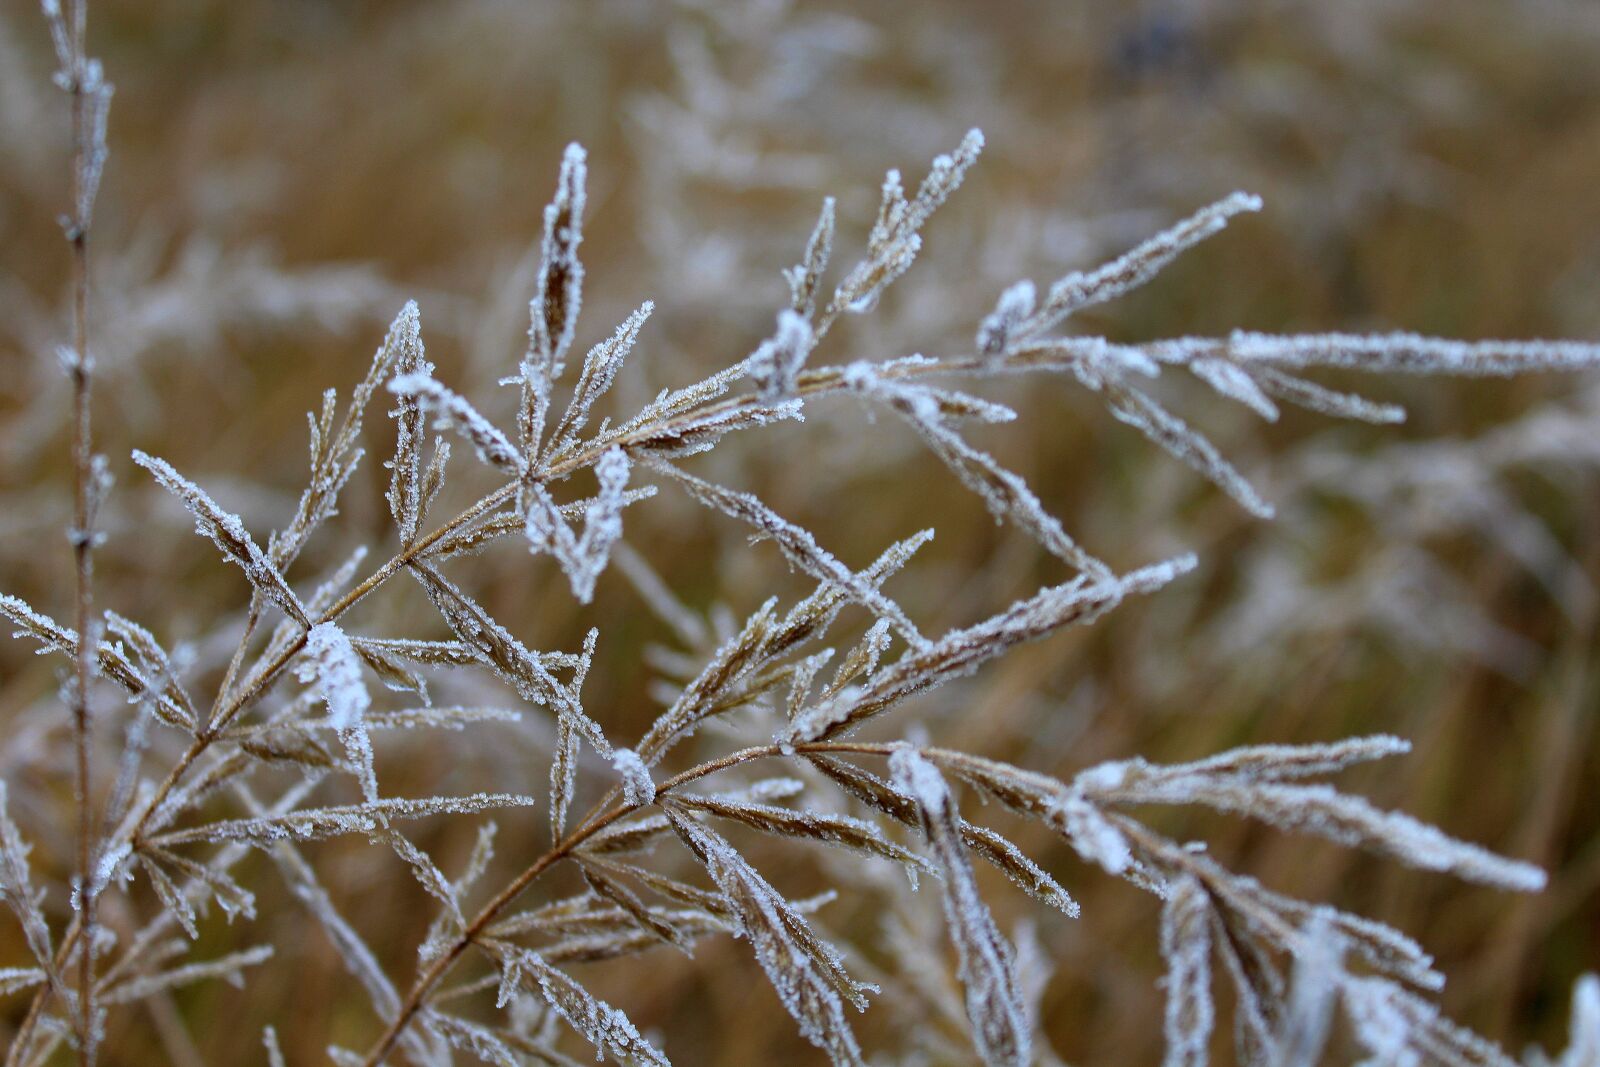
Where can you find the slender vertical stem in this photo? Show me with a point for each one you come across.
(82, 544)
(80, 368)
(90, 96)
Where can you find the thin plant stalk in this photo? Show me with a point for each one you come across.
(80, 78)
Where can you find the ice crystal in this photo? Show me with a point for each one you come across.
(1186, 944)
(994, 1005)
(228, 532)
(332, 665)
(582, 558)
(609, 1030)
(637, 787)
(805, 971)
(316, 823)
(454, 412)
(776, 364)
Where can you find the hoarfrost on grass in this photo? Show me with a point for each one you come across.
(772, 664)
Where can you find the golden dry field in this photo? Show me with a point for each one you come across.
(284, 176)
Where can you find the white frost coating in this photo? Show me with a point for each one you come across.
(1090, 833)
(1380, 1025)
(315, 824)
(1286, 762)
(960, 652)
(406, 496)
(16, 979)
(1348, 820)
(571, 724)
(603, 524)
(83, 76)
(1180, 441)
(1407, 353)
(1235, 383)
(1078, 290)
(1403, 1029)
(453, 411)
(553, 312)
(804, 277)
(1004, 493)
(1015, 865)
(792, 956)
(1304, 1027)
(765, 790)
(775, 365)
(1261, 782)
(1010, 311)
(1248, 928)
(1103, 778)
(921, 779)
(994, 1005)
(609, 1030)
(1583, 1041)
(583, 559)
(105, 868)
(1140, 782)
(228, 532)
(480, 1041)
(844, 831)
(894, 242)
(1186, 946)
(638, 788)
(1314, 397)
(227, 968)
(1092, 360)
(600, 369)
(863, 659)
(331, 663)
(800, 548)
(269, 1041)
(525, 670)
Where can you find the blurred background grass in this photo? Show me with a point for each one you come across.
(284, 175)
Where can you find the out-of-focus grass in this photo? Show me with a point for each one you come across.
(1427, 166)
